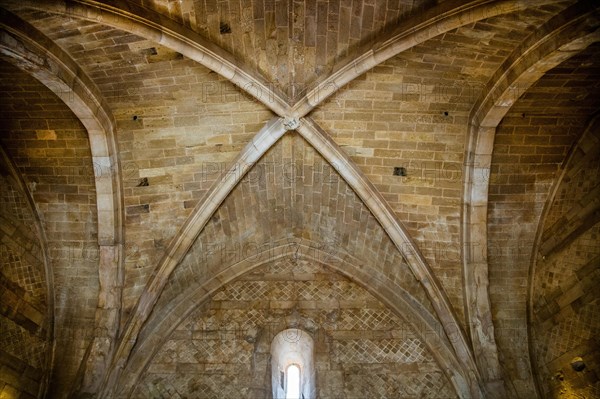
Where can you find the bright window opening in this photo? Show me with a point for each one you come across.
(292, 365)
(293, 382)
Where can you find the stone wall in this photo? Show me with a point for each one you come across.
(25, 344)
(179, 125)
(50, 148)
(565, 297)
(532, 142)
(524, 165)
(362, 349)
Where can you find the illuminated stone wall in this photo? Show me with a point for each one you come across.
(362, 349)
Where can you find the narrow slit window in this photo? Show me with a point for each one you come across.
(293, 382)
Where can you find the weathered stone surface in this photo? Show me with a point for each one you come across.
(25, 341)
(185, 86)
(362, 350)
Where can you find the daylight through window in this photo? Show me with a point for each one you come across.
(292, 365)
(293, 382)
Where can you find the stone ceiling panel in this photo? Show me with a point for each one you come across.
(178, 127)
(569, 89)
(291, 195)
(411, 112)
(294, 43)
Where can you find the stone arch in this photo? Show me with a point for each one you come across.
(31, 51)
(559, 39)
(392, 295)
(28, 49)
(367, 194)
(293, 347)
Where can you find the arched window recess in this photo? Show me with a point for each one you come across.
(292, 365)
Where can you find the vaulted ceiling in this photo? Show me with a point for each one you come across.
(413, 183)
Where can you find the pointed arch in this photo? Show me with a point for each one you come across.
(264, 139)
(391, 294)
(140, 329)
(31, 51)
(559, 39)
(28, 49)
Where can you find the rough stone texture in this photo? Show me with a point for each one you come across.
(24, 321)
(50, 148)
(531, 143)
(295, 196)
(565, 298)
(222, 349)
(180, 124)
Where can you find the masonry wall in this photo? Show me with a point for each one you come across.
(362, 349)
(50, 148)
(525, 163)
(565, 298)
(294, 205)
(532, 143)
(179, 125)
(25, 327)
